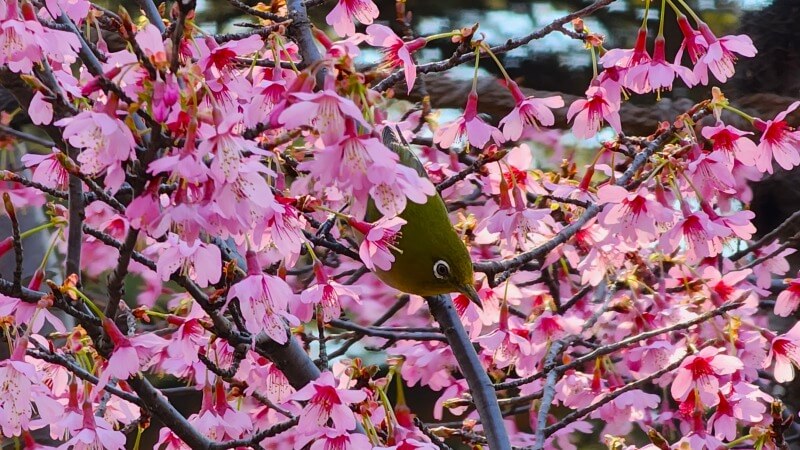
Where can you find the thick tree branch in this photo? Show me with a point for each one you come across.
(480, 385)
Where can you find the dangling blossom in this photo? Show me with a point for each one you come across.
(324, 110)
(720, 54)
(342, 15)
(624, 60)
(528, 112)
(778, 141)
(785, 348)
(469, 126)
(327, 293)
(333, 439)
(18, 379)
(327, 403)
(396, 52)
(130, 355)
(263, 300)
(658, 74)
(95, 433)
(217, 419)
(587, 115)
(380, 239)
(200, 261)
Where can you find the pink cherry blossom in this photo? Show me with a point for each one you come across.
(785, 349)
(151, 43)
(106, 142)
(40, 111)
(130, 355)
(732, 143)
(94, 433)
(326, 293)
(588, 114)
(200, 261)
(393, 184)
(327, 403)
(379, 241)
(703, 372)
(633, 215)
(528, 112)
(658, 74)
(342, 15)
(720, 54)
(325, 111)
(17, 382)
(47, 169)
(789, 299)
(778, 141)
(263, 300)
(469, 126)
(396, 52)
(334, 439)
(626, 59)
(702, 237)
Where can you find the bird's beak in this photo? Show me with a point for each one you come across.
(472, 295)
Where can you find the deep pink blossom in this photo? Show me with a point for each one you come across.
(588, 114)
(778, 141)
(702, 237)
(703, 372)
(95, 432)
(327, 403)
(633, 215)
(732, 143)
(785, 349)
(47, 170)
(720, 54)
(789, 299)
(657, 74)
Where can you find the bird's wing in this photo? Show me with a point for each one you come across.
(407, 157)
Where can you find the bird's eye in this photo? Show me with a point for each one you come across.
(441, 269)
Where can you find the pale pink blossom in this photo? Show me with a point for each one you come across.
(469, 126)
(263, 300)
(201, 262)
(396, 52)
(130, 355)
(342, 15)
(152, 45)
(702, 237)
(633, 215)
(326, 293)
(528, 112)
(47, 170)
(325, 111)
(95, 433)
(380, 239)
(40, 110)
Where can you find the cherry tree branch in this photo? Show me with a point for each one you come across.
(483, 394)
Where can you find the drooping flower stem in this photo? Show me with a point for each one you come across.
(496, 60)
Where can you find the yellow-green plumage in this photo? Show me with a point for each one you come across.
(427, 239)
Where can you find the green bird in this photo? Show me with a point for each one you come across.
(433, 259)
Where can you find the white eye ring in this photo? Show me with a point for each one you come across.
(441, 269)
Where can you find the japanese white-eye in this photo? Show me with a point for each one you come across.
(432, 258)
